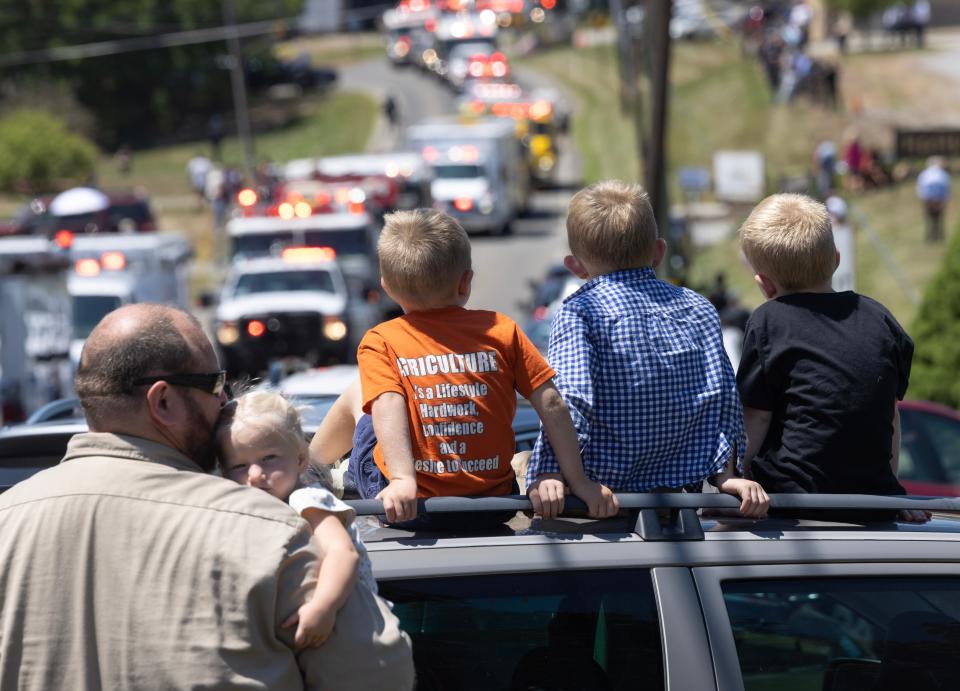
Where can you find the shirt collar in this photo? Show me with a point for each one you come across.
(90, 444)
(623, 276)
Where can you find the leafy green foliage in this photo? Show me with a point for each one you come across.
(166, 91)
(936, 332)
(37, 153)
(861, 9)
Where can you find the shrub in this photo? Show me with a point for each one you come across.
(936, 332)
(39, 154)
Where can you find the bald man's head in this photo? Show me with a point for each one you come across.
(132, 342)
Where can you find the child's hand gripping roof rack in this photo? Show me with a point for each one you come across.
(682, 522)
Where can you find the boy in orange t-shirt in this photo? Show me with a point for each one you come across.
(440, 383)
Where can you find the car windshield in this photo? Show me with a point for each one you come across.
(88, 310)
(463, 51)
(313, 280)
(457, 171)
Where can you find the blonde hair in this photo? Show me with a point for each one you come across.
(789, 238)
(264, 410)
(612, 223)
(423, 253)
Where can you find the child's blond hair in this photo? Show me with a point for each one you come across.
(423, 253)
(612, 223)
(264, 410)
(789, 238)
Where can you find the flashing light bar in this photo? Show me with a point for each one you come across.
(308, 254)
(286, 211)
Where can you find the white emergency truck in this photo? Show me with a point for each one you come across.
(110, 271)
(351, 236)
(292, 307)
(480, 175)
(34, 325)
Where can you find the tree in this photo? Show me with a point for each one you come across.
(138, 95)
(860, 9)
(38, 153)
(936, 332)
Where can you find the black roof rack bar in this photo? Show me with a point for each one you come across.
(825, 502)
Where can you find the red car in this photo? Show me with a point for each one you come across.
(929, 449)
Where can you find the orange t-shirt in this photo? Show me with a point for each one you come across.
(459, 370)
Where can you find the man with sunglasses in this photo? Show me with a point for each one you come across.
(127, 566)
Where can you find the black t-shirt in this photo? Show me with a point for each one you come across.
(830, 367)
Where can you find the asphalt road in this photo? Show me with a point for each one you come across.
(503, 266)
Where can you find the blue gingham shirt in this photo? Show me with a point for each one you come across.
(641, 365)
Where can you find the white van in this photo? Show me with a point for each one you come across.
(479, 170)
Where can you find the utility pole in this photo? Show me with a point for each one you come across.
(239, 87)
(643, 33)
(655, 165)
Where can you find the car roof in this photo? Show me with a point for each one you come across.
(640, 538)
(930, 407)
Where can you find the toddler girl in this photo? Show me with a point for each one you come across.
(261, 444)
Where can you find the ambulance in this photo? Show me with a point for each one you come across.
(35, 324)
(109, 271)
(480, 174)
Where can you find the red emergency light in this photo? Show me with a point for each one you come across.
(63, 239)
(256, 328)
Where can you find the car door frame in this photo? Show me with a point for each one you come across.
(709, 580)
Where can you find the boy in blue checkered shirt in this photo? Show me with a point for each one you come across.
(641, 365)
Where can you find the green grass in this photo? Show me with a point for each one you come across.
(334, 49)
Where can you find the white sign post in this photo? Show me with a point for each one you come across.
(738, 176)
(843, 277)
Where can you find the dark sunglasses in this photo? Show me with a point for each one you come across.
(214, 383)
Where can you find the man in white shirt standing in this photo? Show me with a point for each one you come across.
(933, 189)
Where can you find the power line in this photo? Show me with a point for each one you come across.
(130, 45)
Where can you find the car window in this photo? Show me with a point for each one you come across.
(839, 634)
(944, 436)
(580, 630)
(918, 455)
(318, 281)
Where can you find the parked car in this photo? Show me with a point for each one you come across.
(122, 211)
(929, 448)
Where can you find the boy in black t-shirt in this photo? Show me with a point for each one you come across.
(821, 371)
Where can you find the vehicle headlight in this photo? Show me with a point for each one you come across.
(334, 328)
(485, 205)
(545, 163)
(227, 333)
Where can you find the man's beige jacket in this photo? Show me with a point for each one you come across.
(125, 567)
